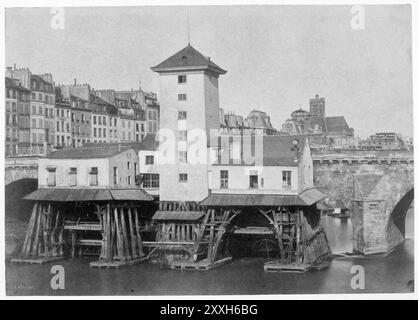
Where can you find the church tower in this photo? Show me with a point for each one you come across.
(189, 104)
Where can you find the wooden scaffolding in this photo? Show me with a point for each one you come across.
(115, 235)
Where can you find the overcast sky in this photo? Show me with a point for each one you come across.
(277, 57)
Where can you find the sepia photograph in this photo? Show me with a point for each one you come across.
(208, 150)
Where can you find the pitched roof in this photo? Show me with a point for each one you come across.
(149, 143)
(93, 151)
(89, 194)
(15, 84)
(336, 124)
(277, 150)
(188, 58)
(306, 198)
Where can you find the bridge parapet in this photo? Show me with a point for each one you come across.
(374, 158)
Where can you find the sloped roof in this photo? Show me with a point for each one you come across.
(306, 198)
(13, 83)
(277, 150)
(188, 58)
(149, 143)
(280, 151)
(93, 151)
(336, 124)
(88, 194)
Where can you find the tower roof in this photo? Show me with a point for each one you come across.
(188, 58)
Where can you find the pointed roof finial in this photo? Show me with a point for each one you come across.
(188, 28)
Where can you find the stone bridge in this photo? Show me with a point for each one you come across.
(378, 187)
(18, 168)
(366, 182)
(21, 178)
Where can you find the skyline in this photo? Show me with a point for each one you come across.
(265, 54)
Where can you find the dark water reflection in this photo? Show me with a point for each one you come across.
(388, 274)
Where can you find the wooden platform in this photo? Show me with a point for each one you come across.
(115, 264)
(276, 266)
(253, 230)
(36, 260)
(199, 265)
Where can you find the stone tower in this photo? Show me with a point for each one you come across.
(189, 108)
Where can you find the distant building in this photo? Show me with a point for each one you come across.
(321, 130)
(63, 129)
(42, 108)
(17, 118)
(317, 107)
(260, 121)
(385, 141)
(256, 122)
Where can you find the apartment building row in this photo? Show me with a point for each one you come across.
(41, 115)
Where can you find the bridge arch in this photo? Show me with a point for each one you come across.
(15, 206)
(400, 210)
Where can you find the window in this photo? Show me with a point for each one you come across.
(51, 177)
(182, 115)
(129, 165)
(224, 179)
(82, 118)
(104, 132)
(94, 173)
(129, 179)
(183, 177)
(58, 126)
(94, 120)
(182, 135)
(183, 156)
(104, 120)
(253, 179)
(181, 97)
(182, 79)
(72, 177)
(149, 159)
(115, 175)
(94, 132)
(287, 179)
(151, 180)
(135, 168)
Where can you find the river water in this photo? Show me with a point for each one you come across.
(383, 274)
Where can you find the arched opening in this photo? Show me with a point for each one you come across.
(17, 213)
(400, 212)
(250, 235)
(15, 206)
